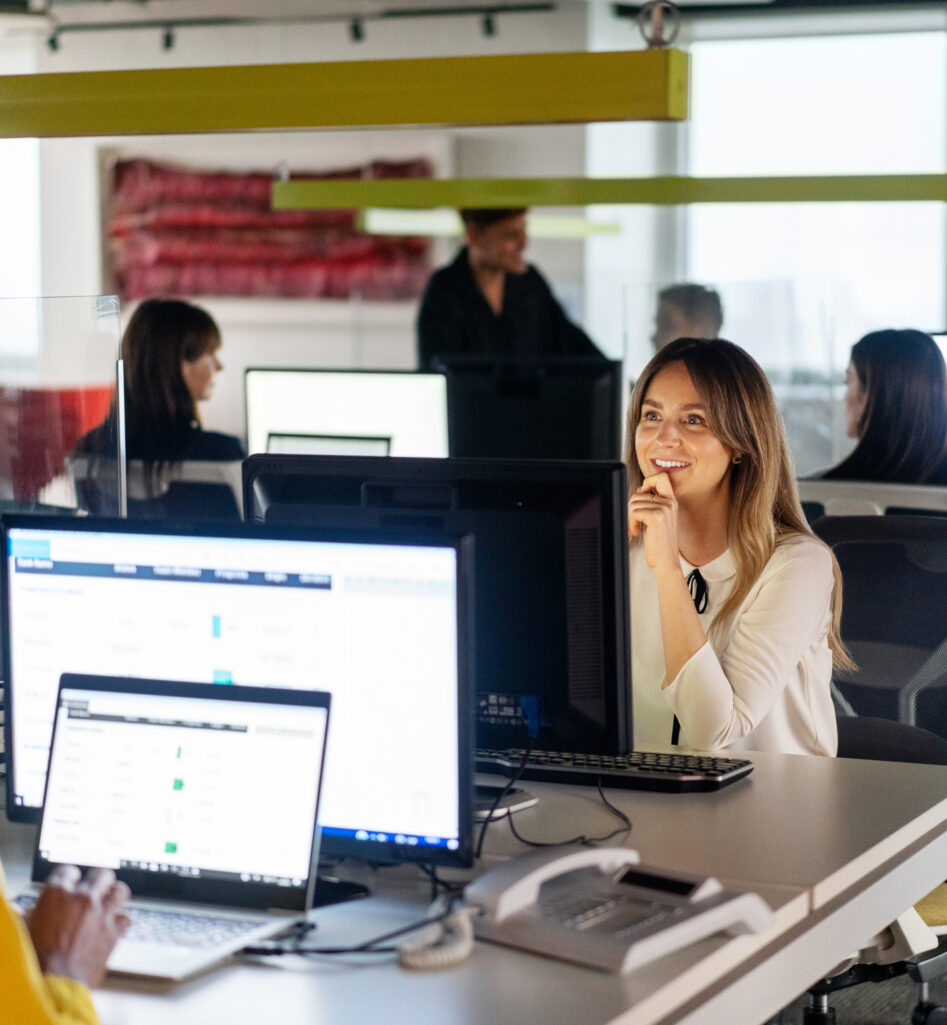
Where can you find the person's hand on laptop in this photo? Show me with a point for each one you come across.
(76, 922)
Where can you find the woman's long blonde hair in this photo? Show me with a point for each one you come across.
(764, 500)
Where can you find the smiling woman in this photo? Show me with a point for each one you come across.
(734, 603)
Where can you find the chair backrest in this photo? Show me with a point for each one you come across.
(882, 740)
(894, 608)
(193, 489)
(870, 498)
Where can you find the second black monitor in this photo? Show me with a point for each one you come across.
(550, 575)
(546, 407)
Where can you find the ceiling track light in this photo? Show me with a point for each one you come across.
(52, 41)
(167, 40)
(487, 13)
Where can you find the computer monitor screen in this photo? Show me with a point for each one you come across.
(547, 407)
(378, 622)
(326, 445)
(346, 412)
(551, 622)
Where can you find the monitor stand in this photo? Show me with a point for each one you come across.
(331, 890)
(515, 799)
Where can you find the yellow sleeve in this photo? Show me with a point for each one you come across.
(29, 997)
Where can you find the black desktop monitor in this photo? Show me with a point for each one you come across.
(546, 407)
(378, 620)
(551, 621)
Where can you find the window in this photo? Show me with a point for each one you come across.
(801, 282)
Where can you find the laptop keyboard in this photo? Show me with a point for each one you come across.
(640, 770)
(179, 929)
(172, 928)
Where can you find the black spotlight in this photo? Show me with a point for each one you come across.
(356, 30)
(167, 40)
(488, 26)
(52, 42)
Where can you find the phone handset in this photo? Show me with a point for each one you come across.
(514, 885)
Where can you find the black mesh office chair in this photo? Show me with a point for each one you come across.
(866, 737)
(190, 490)
(894, 614)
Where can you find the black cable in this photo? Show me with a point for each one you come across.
(581, 839)
(368, 947)
(438, 885)
(502, 793)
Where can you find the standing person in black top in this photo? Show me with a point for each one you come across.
(896, 406)
(490, 302)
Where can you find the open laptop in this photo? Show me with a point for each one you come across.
(203, 798)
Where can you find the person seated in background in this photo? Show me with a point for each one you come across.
(49, 961)
(171, 356)
(896, 406)
(735, 604)
(490, 302)
(686, 311)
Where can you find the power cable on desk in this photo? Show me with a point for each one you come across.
(502, 793)
(581, 839)
(452, 943)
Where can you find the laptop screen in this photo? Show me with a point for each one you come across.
(374, 622)
(188, 790)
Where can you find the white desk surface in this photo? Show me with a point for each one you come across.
(839, 848)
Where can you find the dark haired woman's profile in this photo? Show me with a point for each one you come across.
(896, 406)
(170, 352)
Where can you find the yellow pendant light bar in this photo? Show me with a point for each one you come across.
(420, 193)
(642, 85)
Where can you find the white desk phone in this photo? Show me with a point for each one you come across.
(598, 907)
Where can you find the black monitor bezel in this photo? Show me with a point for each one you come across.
(396, 470)
(532, 369)
(331, 846)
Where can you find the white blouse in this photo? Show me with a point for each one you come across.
(762, 683)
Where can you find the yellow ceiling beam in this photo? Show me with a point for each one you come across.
(641, 85)
(420, 193)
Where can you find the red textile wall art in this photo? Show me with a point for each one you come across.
(178, 231)
(41, 427)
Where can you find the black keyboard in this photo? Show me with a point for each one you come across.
(640, 770)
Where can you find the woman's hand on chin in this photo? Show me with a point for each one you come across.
(652, 513)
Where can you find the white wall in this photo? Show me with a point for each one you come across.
(320, 333)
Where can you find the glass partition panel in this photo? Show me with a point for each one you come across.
(789, 327)
(57, 384)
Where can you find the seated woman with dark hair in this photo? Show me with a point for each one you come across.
(170, 353)
(896, 406)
